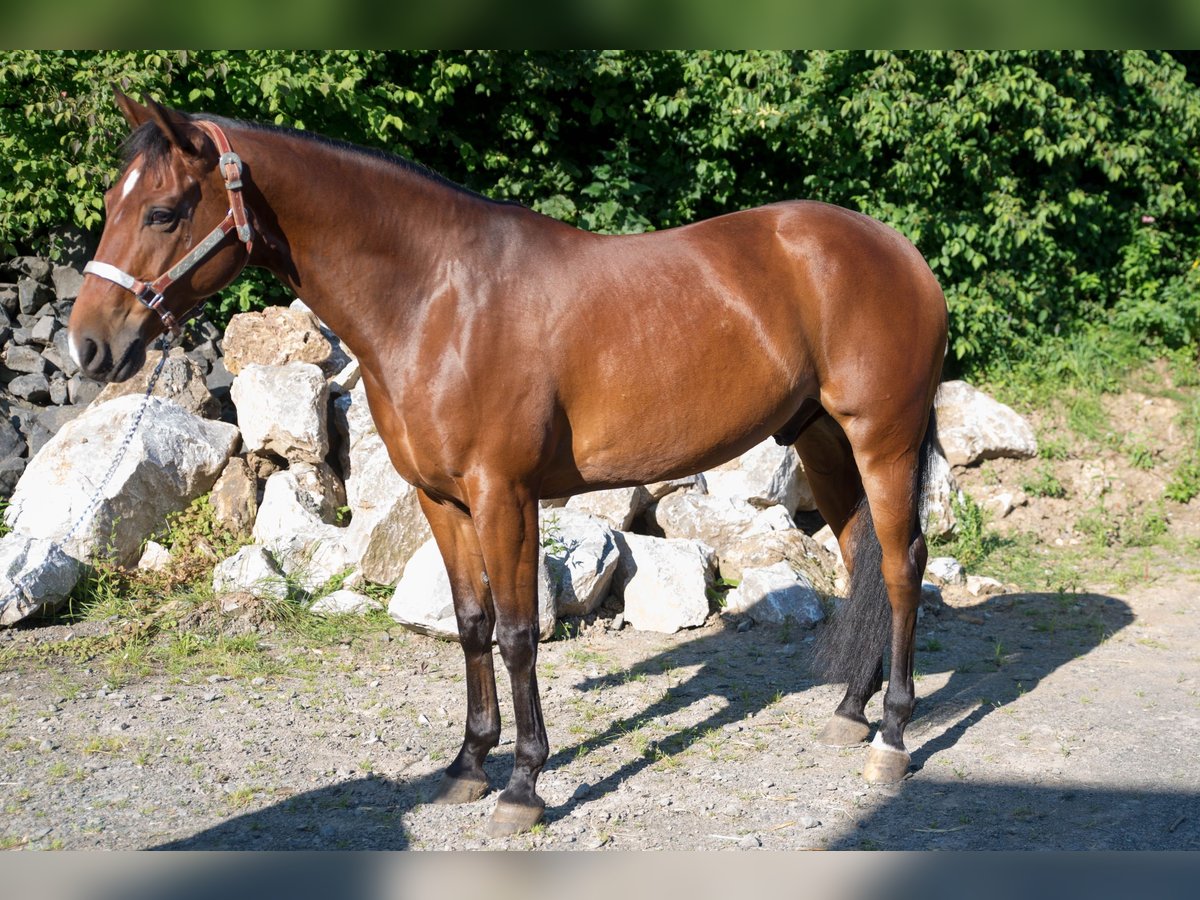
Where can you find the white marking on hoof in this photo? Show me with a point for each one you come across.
(878, 743)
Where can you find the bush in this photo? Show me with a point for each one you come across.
(1049, 191)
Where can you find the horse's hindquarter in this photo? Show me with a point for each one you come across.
(687, 347)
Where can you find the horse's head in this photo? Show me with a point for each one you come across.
(166, 243)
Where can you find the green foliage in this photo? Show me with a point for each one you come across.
(1185, 484)
(970, 539)
(1044, 483)
(1105, 529)
(1052, 192)
(196, 541)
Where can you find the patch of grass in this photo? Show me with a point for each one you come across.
(1185, 483)
(1146, 528)
(971, 542)
(196, 541)
(1054, 446)
(1044, 483)
(1087, 418)
(1141, 457)
(242, 797)
(106, 745)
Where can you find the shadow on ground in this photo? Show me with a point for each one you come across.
(995, 652)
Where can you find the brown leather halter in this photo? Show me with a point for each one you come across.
(150, 294)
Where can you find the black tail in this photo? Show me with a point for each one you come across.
(851, 645)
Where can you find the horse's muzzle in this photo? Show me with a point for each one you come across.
(97, 360)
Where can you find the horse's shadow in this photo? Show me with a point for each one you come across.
(994, 653)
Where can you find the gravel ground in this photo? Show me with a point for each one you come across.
(1045, 721)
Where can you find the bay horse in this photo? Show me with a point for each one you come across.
(509, 357)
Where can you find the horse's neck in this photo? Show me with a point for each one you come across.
(362, 242)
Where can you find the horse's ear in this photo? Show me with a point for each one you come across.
(135, 114)
(173, 125)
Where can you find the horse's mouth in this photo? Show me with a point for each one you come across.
(129, 363)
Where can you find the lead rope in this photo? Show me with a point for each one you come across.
(94, 501)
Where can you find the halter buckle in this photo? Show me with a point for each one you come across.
(229, 158)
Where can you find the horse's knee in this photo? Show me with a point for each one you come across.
(518, 644)
(475, 628)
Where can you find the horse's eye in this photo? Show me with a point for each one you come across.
(160, 216)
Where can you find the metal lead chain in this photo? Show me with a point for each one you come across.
(130, 431)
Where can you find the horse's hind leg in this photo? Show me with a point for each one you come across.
(891, 480)
(836, 486)
(464, 780)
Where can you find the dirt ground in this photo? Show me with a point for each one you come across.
(1063, 714)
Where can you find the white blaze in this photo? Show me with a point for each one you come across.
(130, 181)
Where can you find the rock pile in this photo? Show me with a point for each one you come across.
(271, 421)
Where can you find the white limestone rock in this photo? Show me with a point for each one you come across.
(155, 558)
(344, 603)
(974, 427)
(945, 570)
(775, 594)
(982, 586)
(277, 336)
(618, 507)
(717, 521)
(290, 525)
(801, 552)
(181, 380)
(387, 525)
(664, 582)
(660, 489)
(36, 575)
(252, 571)
(765, 475)
(581, 555)
(283, 409)
(172, 458)
(422, 601)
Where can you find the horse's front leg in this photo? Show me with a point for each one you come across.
(464, 780)
(506, 520)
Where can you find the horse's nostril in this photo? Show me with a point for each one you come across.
(88, 353)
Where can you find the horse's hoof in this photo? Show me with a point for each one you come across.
(843, 732)
(512, 818)
(459, 790)
(885, 765)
